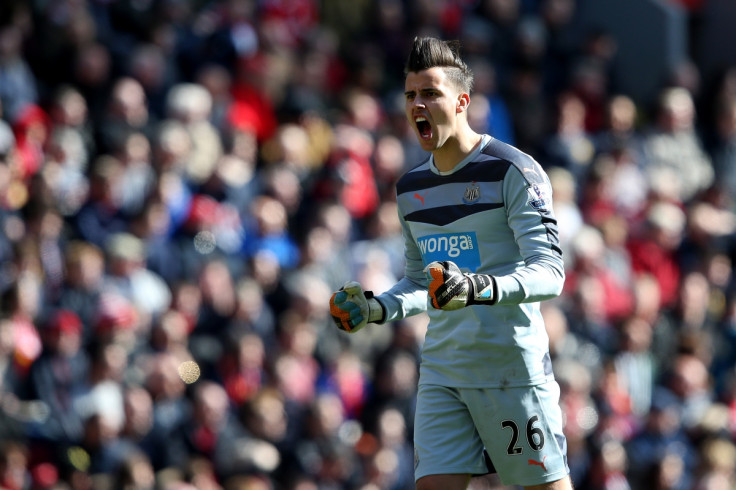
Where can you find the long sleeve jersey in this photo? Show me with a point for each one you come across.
(492, 214)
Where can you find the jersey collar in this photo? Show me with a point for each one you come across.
(485, 139)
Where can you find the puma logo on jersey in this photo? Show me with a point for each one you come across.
(538, 463)
(420, 197)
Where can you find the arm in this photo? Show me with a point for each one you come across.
(352, 308)
(408, 296)
(535, 231)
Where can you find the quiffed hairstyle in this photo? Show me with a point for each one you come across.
(428, 52)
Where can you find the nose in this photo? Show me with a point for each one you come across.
(415, 102)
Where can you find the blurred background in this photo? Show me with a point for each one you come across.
(189, 180)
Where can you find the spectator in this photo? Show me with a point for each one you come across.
(387, 462)
(635, 365)
(528, 107)
(295, 368)
(619, 128)
(84, 266)
(570, 145)
(135, 471)
(31, 128)
(156, 72)
(58, 375)
(14, 461)
(624, 185)
(660, 449)
(717, 468)
(138, 423)
(101, 215)
(69, 108)
(349, 175)
(589, 267)
(566, 206)
(45, 239)
(216, 307)
(18, 87)
(653, 248)
(253, 314)
(101, 443)
(689, 381)
(214, 433)
(242, 369)
(138, 179)
(191, 105)
(252, 108)
(218, 82)
(92, 73)
(127, 111)
(23, 307)
(171, 409)
(270, 233)
(673, 149)
(171, 148)
(128, 277)
(723, 148)
(610, 466)
(266, 418)
(64, 173)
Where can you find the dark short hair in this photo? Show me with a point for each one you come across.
(429, 52)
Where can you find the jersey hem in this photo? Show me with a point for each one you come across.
(480, 470)
(514, 384)
(548, 478)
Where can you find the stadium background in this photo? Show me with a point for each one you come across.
(190, 180)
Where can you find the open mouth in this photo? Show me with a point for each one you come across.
(423, 127)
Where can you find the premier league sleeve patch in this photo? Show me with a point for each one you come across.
(540, 196)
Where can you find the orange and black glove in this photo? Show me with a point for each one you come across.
(451, 289)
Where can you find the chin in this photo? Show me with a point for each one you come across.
(428, 145)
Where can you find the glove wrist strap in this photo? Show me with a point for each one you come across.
(483, 289)
(375, 309)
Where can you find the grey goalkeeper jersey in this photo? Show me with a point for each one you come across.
(492, 214)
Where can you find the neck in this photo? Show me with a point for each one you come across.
(455, 150)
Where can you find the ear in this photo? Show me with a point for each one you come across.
(463, 101)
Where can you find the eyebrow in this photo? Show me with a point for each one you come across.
(422, 90)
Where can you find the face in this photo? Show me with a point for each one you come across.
(432, 107)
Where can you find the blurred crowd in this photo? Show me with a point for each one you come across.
(189, 180)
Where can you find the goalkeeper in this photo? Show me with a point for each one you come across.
(482, 250)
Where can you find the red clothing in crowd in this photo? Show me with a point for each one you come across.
(648, 257)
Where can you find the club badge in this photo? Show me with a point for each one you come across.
(472, 193)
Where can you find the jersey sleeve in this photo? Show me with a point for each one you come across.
(409, 295)
(532, 221)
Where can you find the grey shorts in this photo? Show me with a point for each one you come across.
(519, 428)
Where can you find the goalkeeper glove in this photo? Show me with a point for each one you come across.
(352, 308)
(451, 289)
